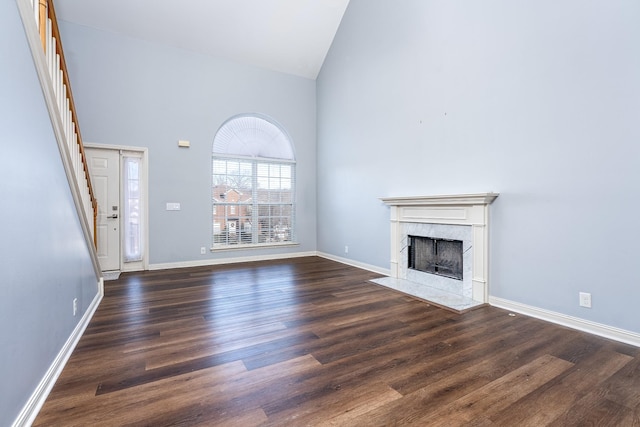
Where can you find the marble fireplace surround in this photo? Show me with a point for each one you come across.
(462, 217)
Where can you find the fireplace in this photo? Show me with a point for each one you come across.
(440, 248)
(442, 257)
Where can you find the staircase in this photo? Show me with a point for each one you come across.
(39, 19)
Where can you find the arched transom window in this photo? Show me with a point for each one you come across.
(253, 186)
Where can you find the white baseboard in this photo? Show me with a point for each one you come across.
(28, 414)
(369, 267)
(206, 262)
(594, 328)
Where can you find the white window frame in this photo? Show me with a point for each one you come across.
(263, 221)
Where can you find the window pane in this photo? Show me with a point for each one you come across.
(245, 169)
(219, 167)
(263, 170)
(131, 211)
(286, 171)
(244, 214)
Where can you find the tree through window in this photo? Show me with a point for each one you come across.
(253, 200)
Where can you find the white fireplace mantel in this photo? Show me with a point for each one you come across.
(458, 199)
(459, 209)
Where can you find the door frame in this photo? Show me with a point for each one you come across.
(144, 186)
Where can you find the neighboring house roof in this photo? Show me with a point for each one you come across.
(223, 190)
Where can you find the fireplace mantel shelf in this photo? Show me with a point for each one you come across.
(444, 200)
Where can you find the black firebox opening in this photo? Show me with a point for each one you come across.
(436, 256)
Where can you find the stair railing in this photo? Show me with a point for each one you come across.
(43, 36)
(47, 26)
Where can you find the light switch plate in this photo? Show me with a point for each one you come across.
(173, 206)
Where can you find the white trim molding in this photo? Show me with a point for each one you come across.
(347, 261)
(457, 199)
(235, 260)
(583, 325)
(460, 209)
(28, 414)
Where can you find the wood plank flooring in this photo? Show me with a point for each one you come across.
(309, 341)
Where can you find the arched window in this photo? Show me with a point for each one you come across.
(253, 186)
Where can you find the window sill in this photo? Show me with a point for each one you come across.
(253, 246)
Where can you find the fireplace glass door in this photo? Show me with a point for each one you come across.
(436, 256)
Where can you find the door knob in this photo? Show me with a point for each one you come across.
(114, 216)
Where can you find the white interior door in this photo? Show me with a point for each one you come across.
(104, 168)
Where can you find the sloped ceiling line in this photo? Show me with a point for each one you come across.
(290, 36)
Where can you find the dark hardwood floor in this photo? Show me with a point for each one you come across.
(309, 341)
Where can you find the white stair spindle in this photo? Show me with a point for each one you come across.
(36, 12)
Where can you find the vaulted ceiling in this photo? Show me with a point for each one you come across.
(290, 36)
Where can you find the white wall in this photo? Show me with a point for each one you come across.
(136, 93)
(536, 100)
(44, 259)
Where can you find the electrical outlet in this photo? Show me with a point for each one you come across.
(75, 306)
(585, 299)
(346, 249)
(203, 250)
